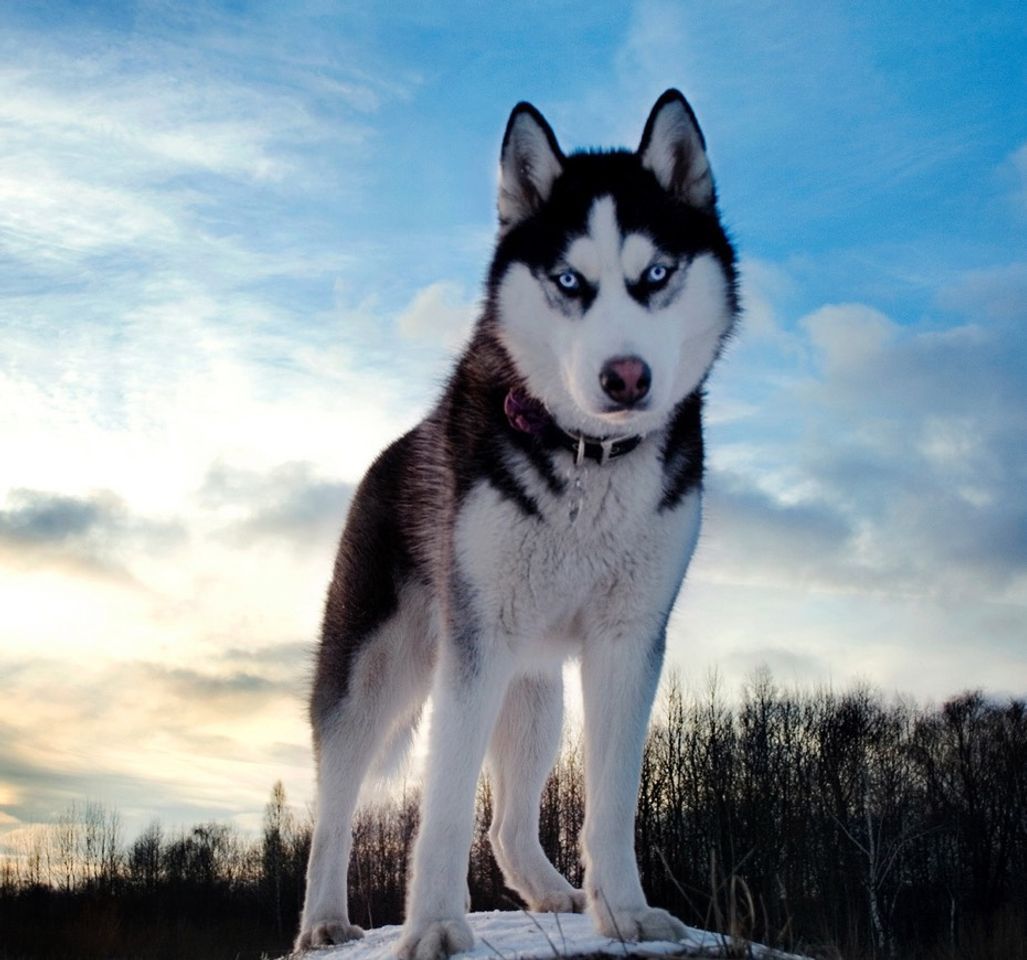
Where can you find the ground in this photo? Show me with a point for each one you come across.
(518, 935)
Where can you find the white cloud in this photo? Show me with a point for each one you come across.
(848, 336)
(927, 648)
(441, 313)
(866, 505)
(139, 163)
(92, 156)
(47, 214)
(144, 406)
(997, 293)
(146, 123)
(95, 730)
(764, 289)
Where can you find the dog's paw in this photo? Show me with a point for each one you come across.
(327, 933)
(644, 923)
(435, 939)
(559, 901)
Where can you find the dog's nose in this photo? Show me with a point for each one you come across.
(625, 379)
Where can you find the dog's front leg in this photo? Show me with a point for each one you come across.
(470, 683)
(619, 677)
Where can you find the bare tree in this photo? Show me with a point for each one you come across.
(145, 855)
(277, 838)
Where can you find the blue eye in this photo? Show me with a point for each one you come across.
(568, 281)
(656, 274)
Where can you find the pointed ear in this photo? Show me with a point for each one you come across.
(674, 149)
(530, 161)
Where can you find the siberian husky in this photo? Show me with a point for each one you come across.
(546, 508)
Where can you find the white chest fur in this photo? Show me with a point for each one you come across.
(601, 543)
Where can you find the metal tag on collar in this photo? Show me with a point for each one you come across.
(606, 446)
(579, 454)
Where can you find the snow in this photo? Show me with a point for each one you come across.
(519, 935)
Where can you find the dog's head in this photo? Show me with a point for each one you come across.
(613, 284)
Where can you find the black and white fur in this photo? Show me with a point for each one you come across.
(478, 557)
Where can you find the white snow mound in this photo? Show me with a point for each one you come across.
(519, 935)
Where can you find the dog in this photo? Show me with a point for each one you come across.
(547, 508)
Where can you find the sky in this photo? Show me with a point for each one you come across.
(241, 243)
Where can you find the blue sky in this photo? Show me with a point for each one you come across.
(240, 244)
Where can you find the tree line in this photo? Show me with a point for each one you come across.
(836, 824)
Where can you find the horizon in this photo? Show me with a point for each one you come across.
(242, 245)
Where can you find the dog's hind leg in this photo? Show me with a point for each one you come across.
(345, 751)
(389, 677)
(521, 755)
